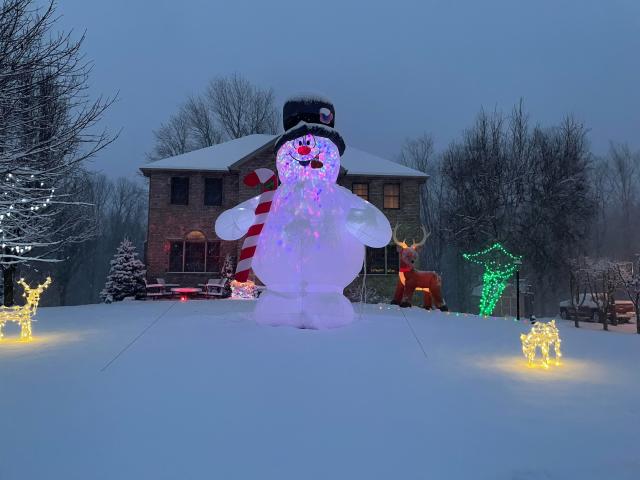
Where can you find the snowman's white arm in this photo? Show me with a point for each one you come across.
(367, 223)
(234, 223)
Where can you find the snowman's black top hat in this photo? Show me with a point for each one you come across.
(309, 114)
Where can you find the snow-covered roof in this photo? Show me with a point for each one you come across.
(216, 158)
(359, 162)
(221, 157)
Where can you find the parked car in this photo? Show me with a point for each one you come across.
(589, 310)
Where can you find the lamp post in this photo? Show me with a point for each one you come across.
(518, 262)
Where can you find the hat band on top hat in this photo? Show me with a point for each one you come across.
(304, 128)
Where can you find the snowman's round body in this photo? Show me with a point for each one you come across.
(304, 246)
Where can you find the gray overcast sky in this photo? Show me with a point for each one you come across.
(393, 71)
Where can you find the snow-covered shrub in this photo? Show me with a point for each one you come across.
(126, 276)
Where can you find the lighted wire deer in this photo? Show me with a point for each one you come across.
(410, 279)
(542, 336)
(22, 314)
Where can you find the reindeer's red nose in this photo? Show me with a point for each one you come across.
(304, 150)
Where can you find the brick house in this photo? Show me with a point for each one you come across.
(187, 193)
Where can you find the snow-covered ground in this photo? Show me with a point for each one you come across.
(169, 390)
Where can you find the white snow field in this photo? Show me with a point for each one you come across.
(197, 390)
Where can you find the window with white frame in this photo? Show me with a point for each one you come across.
(194, 254)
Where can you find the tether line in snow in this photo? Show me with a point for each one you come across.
(414, 333)
(147, 328)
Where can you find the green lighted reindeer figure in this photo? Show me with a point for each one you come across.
(22, 314)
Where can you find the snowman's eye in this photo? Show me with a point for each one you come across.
(308, 142)
(300, 142)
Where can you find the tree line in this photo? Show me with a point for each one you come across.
(539, 190)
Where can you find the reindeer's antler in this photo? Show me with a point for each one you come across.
(27, 288)
(425, 235)
(399, 243)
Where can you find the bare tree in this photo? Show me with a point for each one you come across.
(172, 138)
(578, 286)
(601, 188)
(630, 283)
(419, 154)
(561, 206)
(231, 107)
(204, 131)
(241, 108)
(47, 129)
(624, 176)
(603, 280)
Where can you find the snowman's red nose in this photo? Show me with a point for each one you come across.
(304, 150)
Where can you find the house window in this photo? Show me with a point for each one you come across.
(213, 191)
(194, 248)
(361, 190)
(391, 195)
(382, 260)
(375, 260)
(393, 259)
(213, 256)
(180, 190)
(176, 256)
(194, 254)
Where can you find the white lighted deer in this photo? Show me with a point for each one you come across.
(22, 314)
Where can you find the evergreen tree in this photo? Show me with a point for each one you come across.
(227, 275)
(127, 274)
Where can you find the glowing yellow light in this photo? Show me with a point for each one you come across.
(22, 314)
(542, 335)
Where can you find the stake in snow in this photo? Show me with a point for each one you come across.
(312, 243)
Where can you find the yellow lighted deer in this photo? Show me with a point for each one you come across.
(542, 335)
(22, 314)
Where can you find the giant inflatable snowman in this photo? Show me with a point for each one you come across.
(311, 245)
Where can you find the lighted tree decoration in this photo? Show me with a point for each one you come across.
(499, 265)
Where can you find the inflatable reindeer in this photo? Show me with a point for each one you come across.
(22, 314)
(410, 279)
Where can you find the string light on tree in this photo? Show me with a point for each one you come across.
(499, 265)
(22, 199)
